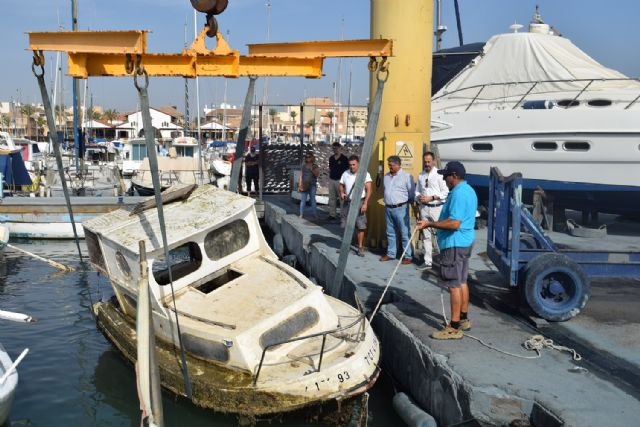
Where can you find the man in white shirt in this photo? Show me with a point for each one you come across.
(347, 182)
(399, 191)
(431, 193)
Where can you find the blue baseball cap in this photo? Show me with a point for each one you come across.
(451, 168)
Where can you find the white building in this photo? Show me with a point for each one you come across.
(167, 120)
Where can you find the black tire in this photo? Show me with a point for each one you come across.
(555, 287)
(527, 241)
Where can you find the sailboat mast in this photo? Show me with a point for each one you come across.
(76, 92)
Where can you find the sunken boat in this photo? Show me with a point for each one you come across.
(259, 337)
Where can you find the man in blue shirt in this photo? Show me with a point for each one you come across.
(455, 237)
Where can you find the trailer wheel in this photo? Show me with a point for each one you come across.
(555, 287)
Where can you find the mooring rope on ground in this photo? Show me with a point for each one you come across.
(535, 342)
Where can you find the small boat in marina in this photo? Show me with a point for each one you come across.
(182, 165)
(135, 151)
(48, 217)
(259, 337)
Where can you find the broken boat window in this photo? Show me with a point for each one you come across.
(290, 327)
(95, 252)
(222, 279)
(123, 265)
(226, 240)
(545, 145)
(185, 259)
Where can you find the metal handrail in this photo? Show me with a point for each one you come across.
(535, 83)
(323, 334)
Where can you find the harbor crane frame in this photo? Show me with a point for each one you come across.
(119, 53)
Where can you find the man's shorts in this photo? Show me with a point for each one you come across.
(454, 266)
(361, 219)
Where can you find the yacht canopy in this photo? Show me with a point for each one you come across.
(510, 62)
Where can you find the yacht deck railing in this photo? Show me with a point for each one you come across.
(534, 84)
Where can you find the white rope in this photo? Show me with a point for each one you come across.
(395, 270)
(534, 342)
(538, 342)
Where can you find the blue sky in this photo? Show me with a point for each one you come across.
(608, 31)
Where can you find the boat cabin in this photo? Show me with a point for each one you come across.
(233, 295)
(135, 153)
(185, 146)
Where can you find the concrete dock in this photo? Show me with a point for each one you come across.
(466, 382)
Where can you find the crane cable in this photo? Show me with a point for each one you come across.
(153, 166)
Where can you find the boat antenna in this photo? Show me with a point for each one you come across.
(440, 29)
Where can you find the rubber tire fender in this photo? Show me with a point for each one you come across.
(545, 265)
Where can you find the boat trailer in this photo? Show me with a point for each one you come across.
(555, 282)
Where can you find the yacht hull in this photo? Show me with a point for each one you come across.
(561, 152)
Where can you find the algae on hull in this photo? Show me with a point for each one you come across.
(213, 386)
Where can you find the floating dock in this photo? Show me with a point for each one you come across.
(463, 380)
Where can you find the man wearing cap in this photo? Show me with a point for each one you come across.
(455, 233)
(398, 192)
(431, 193)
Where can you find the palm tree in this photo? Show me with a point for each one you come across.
(330, 115)
(293, 115)
(96, 115)
(28, 110)
(354, 120)
(312, 124)
(110, 114)
(273, 113)
(41, 122)
(5, 120)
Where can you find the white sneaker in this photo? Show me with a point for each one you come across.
(424, 266)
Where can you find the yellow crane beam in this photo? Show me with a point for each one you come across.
(324, 49)
(118, 53)
(132, 42)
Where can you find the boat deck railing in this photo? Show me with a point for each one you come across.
(533, 84)
(170, 177)
(360, 318)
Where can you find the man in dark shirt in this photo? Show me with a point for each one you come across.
(252, 169)
(338, 164)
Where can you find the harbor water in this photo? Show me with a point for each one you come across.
(72, 375)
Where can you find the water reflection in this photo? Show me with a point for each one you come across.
(73, 376)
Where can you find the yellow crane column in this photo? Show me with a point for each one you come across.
(404, 123)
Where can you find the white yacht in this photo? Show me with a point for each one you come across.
(259, 337)
(533, 102)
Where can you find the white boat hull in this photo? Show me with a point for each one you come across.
(39, 230)
(570, 153)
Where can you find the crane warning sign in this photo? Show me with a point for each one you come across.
(406, 150)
